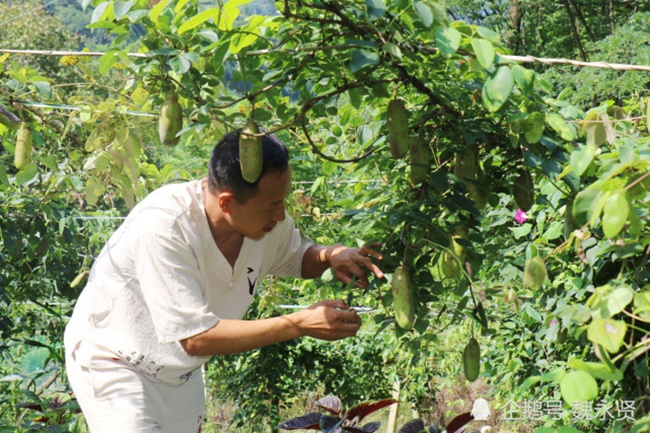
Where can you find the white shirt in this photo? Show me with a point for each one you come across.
(161, 278)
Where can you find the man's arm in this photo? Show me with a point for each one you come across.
(325, 320)
(347, 263)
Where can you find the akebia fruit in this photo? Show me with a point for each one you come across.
(419, 158)
(472, 360)
(535, 273)
(8, 119)
(403, 298)
(251, 158)
(23, 146)
(398, 128)
(170, 121)
(523, 191)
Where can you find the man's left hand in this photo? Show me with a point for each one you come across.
(348, 263)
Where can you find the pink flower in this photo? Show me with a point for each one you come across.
(553, 322)
(520, 216)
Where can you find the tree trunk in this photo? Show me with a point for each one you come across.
(574, 30)
(582, 20)
(516, 15)
(612, 24)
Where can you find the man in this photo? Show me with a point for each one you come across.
(170, 287)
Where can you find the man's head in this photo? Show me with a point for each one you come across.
(224, 171)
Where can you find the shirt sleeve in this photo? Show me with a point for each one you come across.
(291, 247)
(168, 273)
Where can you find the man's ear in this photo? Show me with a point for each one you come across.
(226, 199)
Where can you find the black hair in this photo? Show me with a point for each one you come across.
(224, 172)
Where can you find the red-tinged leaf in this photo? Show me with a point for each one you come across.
(368, 428)
(331, 403)
(362, 410)
(32, 406)
(330, 424)
(456, 424)
(311, 421)
(413, 426)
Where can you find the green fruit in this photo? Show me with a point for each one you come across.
(78, 279)
(23, 146)
(8, 119)
(450, 266)
(570, 223)
(472, 360)
(419, 158)
(403, 298)
(466, 164)
(170, 121)
(251, 157)
(398, 128)
(535, 273)
(524, 191)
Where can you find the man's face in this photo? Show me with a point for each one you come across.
(258, 215)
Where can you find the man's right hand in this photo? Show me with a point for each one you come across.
(329, 320)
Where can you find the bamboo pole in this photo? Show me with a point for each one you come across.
(521, 59)
(67, 53)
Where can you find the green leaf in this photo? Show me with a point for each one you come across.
(240, 41)
(584, 204)
(180, 4)
(424, 13)
(3, 175)
(43, 88)
(362, 58)
(94, 188)
(376, 8)
(596, 369)
(615, 213)
(392, 49)
(608, 333)
(578, 386)
(448, 40)
(157, 10)
(497, 88)
(581, 158)
(121, 8)
(180, 65)
(199, 19)
(99, 13)
(525, 78)
(593, 126)
(606, 301)
(641, 302)
(484, 52)
(532, 127)
(27, 173)
(555, 375)
(560, 126)
(107, 61)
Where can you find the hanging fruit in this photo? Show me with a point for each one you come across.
(251, 158)
(419, 158)
(403, 298)
(24, 139)
(170, 121)
(523, 190)
(398, 128)
(472, 360)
